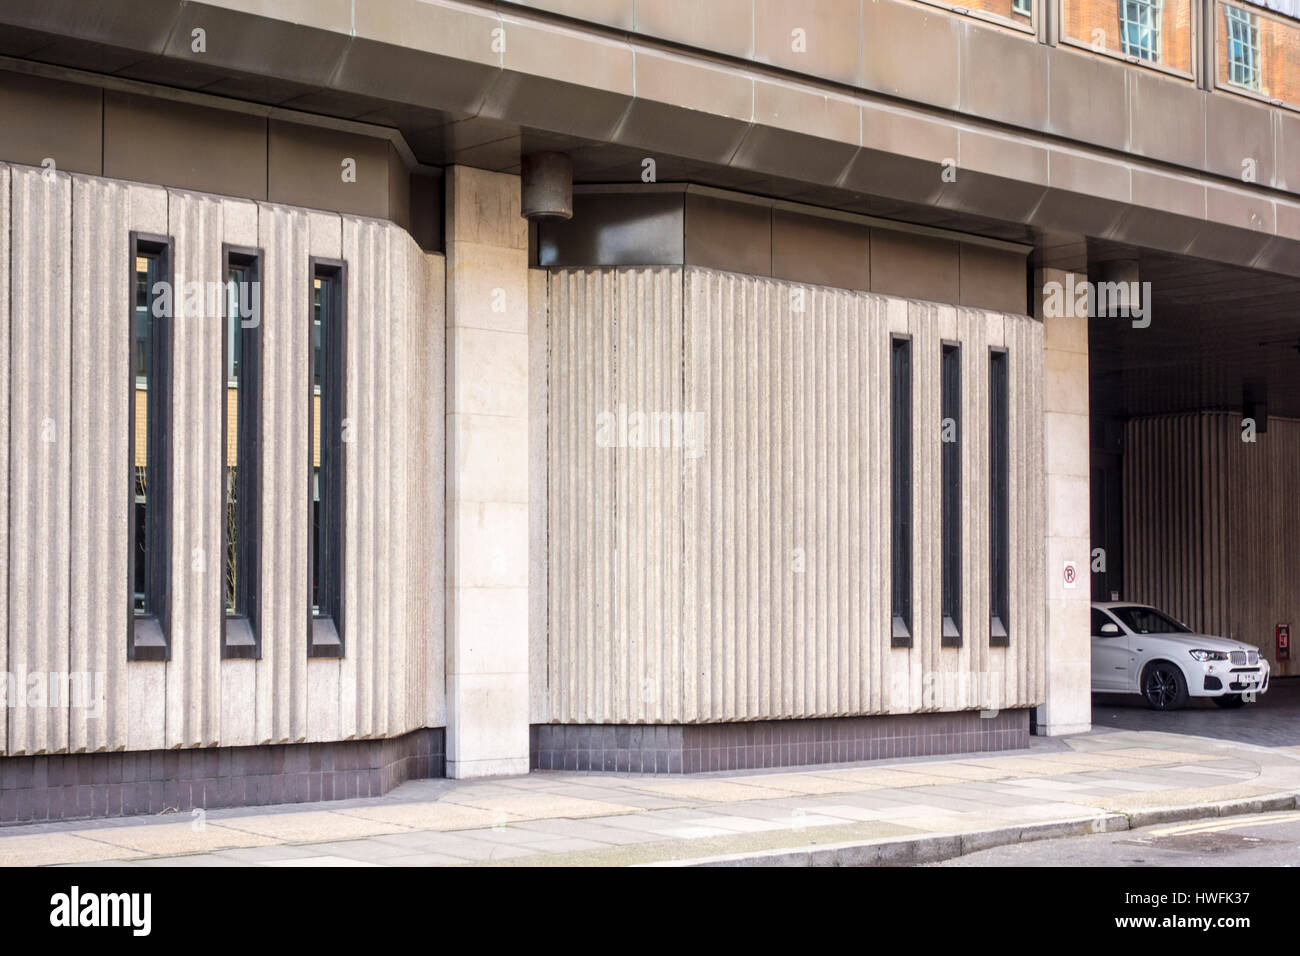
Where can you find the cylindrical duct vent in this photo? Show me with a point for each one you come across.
(547, 191)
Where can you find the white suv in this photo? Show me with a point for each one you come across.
(1138, 650)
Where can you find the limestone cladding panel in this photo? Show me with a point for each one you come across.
(64, 603)
(717, 478)
(1208, 524)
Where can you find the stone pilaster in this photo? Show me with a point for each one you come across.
(487, 475)
(1066, 447)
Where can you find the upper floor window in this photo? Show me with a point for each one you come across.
(1022, 8)
(1243, 47)
(1140, 28)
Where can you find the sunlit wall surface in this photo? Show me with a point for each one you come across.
(1157, 33)
(1257, 52)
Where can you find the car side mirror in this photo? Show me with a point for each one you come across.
(1110, 630)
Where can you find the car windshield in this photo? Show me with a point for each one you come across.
(1145, 620)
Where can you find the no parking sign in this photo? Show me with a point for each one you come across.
(1070, 575)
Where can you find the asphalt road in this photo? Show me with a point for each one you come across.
(1272, 721)
(1269, 839)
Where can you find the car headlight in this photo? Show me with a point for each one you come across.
(1209, 655)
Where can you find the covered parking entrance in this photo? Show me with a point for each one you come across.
(1195, 448)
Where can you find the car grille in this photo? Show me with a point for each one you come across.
(1245, 657)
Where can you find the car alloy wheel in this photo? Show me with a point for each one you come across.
(1163, 687)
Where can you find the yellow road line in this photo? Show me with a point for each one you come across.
(1216, 826)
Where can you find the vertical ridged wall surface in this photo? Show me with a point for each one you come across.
(1209, 521)
(65, 602)
(286, 277)
(102, 350)
(40, 376)
(5, 270)
(746, 577)
(196, 600)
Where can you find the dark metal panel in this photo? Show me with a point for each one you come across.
(733, 236)
(821, 251)
(616, 230)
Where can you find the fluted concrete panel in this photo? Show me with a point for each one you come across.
(1026, 661)
(286, 281)
(1209, 522)
(375, 428)
(197, 499)
(539, 701)
(40, 376)
(426, 498)
(4, 439)
(64, 397)
(102, 345)
(146, 681)
(582, 523)
(773, 596)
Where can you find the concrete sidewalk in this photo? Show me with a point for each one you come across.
(897, 811)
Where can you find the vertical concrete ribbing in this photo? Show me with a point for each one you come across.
(5, 263)
(426, 331)
(102, 344)
(281, 673)
(40, 482)
(239, 676)
(796, 452)
(196, 600)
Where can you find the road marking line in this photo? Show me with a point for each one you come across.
(1218, 826)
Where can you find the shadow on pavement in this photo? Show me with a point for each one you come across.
(1272, 721)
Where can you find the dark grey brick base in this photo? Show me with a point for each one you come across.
(695, 748)
(81, 786)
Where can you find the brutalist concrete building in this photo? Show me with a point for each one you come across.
(415, 387)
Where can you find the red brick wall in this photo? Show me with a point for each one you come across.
(1002, 8)
(1082, 17)
(1279, 55)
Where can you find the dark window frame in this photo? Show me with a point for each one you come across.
(950, 494)
(241, 631)
(902, 528)
(148, 635)
(325, 637)
(999, 497)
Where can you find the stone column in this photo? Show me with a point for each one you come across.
(1068, 709)
(487, 475)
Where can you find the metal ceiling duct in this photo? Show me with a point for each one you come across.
(547, 190)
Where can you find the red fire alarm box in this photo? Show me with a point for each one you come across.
(1283, 634)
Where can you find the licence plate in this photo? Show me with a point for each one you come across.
(1249, 678)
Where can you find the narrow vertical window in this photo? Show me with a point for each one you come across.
(241, 395)
(327, 343)
(999, 480)
(1243, 47)
(1139, 29)
(150, 444)
(950, 466)
(900, 483)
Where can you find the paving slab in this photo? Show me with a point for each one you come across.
(868, 813)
